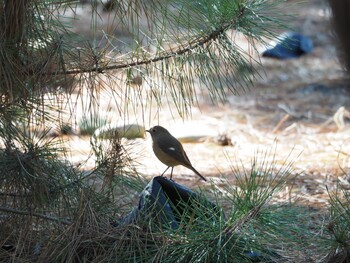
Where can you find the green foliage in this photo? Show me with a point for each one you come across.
(33, 172)
(261, 231)
(339, 225)
(43, 197)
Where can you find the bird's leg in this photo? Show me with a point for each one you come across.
(171, 174)
(166, 170)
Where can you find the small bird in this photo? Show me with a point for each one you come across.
(169, 150)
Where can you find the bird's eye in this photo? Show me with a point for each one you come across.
(153, 130)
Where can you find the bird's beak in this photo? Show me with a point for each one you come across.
(148, 131)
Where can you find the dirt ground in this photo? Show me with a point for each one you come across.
(297, 109)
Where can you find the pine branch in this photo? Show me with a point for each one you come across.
(197, 43)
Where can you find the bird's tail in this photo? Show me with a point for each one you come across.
(197, 173)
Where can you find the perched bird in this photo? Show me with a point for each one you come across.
(169, 150)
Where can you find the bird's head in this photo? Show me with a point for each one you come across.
(157, 131)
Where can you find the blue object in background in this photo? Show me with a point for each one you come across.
(290, 45)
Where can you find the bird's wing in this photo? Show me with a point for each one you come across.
(178, 154)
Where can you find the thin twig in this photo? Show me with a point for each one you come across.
(279, 124)
(23, 212)
(242, 221)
